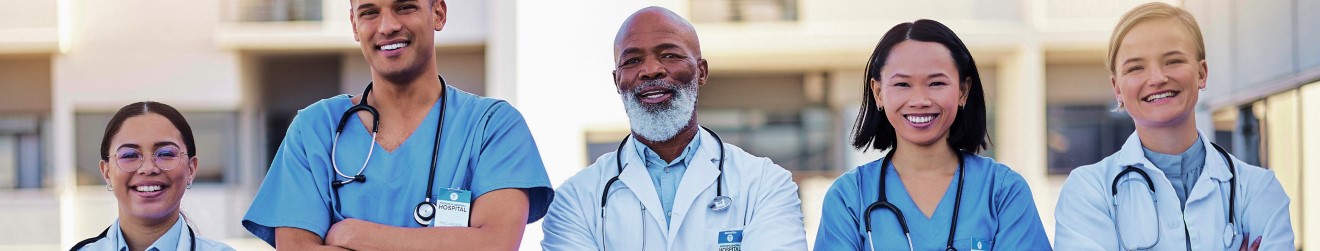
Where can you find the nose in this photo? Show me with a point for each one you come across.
(1156, 77)
(389, 25)
(920, 98)
(651, 70)
(149, 167)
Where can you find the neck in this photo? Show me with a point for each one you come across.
(140, 233)
(1171, 140)
(405, 97)
(672, 148)
(933, 159)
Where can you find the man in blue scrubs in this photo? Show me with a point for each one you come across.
(447, 170)
(672, 185)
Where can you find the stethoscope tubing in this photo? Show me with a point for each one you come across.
(883, 202)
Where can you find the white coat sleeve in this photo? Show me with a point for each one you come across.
(1082, 220)
(1267, 213)
(776, 221)
(567, 225)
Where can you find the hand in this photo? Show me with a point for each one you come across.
(346, 232)
(1254, 245)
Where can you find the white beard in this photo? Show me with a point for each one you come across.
(660, 122)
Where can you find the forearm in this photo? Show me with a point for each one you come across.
(497, 223)
(383, 237)
(287, 238)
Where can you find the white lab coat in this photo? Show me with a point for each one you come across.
(764, 196)
(1085, 214)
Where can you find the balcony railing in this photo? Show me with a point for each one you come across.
(744, 10)
(274, 10)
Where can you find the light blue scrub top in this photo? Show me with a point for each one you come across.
(485, 146)
(996, 207)
(176, 238)
(667, 175)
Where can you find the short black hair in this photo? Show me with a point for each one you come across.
(968, 133)
(142, 108)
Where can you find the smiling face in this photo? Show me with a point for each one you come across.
(1158, 74)
(918, 89)
(397, 36)
(658, 69)
(149, 192)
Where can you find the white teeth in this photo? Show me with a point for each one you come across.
(394, 46)
(151, 188)
(1152, 98)
(920, 119)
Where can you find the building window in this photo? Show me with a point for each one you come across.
(1084, 134)
(744, 10)
(22, 148)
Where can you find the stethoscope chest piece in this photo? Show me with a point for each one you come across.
(424, 213)
(1229, 235)
(720, 203)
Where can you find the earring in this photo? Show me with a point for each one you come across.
(1202, 88)
(189, 185)
(108, 187)
(880, 108)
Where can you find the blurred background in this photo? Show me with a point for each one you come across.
(785, 83)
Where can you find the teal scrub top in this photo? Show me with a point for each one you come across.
(485, 146)
(997, 212)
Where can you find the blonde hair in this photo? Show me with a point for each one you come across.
(1153, 11)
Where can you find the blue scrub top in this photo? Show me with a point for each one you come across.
(997, 210)
(485, 146)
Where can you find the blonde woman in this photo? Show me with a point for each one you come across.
(1169, 187)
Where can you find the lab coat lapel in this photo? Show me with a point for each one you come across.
(1214, 171)
(639, 182)
(700, 176)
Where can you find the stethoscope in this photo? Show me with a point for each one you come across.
(883, 202)
(1229, 231)
(191, 237)
(720, 203)
(425, 210)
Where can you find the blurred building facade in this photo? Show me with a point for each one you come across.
(785, 83)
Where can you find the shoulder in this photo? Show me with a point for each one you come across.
(584, 181)
(323, 113)
(753, 165)
(1003, 175)
(849, 182)
(1255, 177)
(486, 107)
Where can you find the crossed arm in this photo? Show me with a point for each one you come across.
(497, 223)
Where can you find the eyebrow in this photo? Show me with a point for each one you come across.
(369, 5)
(1166, 54)
(932, 75)
(157, 145)
(661, 47)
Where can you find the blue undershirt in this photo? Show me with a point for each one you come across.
(666, 175)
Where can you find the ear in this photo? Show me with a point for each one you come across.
(617, 89)
(875, 93)
(702, 73)
(965, 88)
(1204, 70)
(441, 11)
(192, 169)
(105, 171)
(352, 18)
(1118, 93)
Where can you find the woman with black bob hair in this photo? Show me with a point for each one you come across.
(148, 161)
(923, 103)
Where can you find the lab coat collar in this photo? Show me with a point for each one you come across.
(1216, 167)
(699, 177)
(180, 228)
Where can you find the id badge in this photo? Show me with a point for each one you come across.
(980, 244)
(453, 208)
(731, 240)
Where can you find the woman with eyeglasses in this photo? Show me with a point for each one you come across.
(923, 103)
(148, 162)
